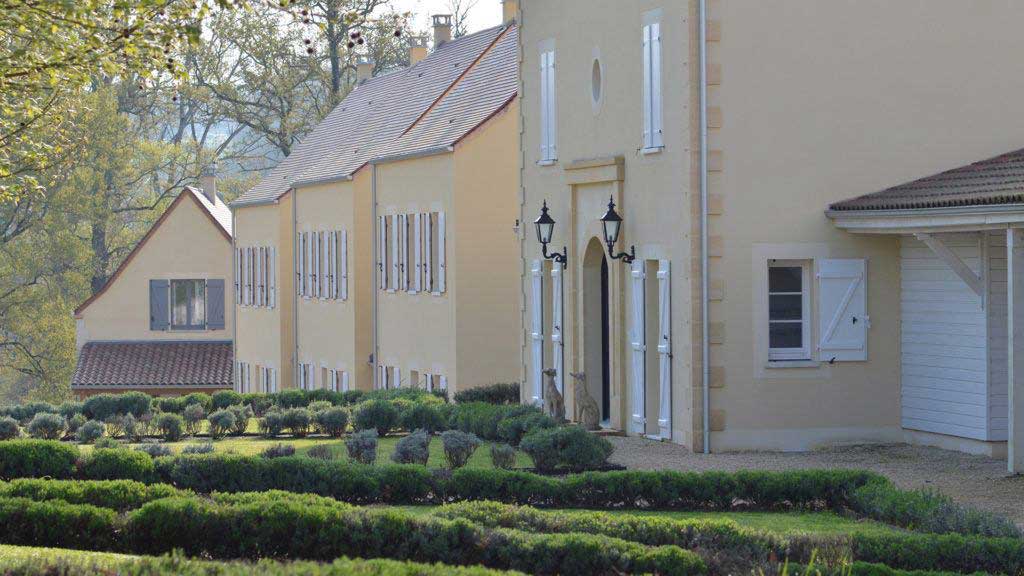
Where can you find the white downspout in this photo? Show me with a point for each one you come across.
(295, 286)
(702, 18)
(234, 302)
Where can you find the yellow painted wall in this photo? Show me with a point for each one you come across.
(187, 245)
(486, 252)
(809, 103)
(417, 331)
(265, 335)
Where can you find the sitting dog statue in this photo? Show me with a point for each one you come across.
(554, 404)
(585, 409)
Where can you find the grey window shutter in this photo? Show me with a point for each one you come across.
(159, 307)
(215, 304)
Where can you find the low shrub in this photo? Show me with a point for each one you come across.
(171, 426)
(278, 451)
(291, 399)
(243, 414)
(103, 406)
(413, 449)
(352, 397)
(423, 416)
(117, 495)
(928, 511)
(280, 531)
(118, 464)
(503, 456)
(57, 524)
(379, 415)
(492, 394)
(318, 406)
(362, 446)
(200, 398)
(70, 408)
(25, 412)
(46, 426)
(52, 564)
(259, 403)
(115, 425)
(332, 421)
(199, 448)
(458, 447)
(952, 552)
(512, 429)
(9, 429)
(483, 419)
(154, 449)
(271, 424)
(133, 429)
(193, 416)
(297, 421)
(107, 442)
(89, 432)
(37, 459)
(569, 447)
(223, 398)
(221, 422)
(321, 452)
(74, 423)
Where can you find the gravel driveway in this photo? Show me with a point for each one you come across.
(976, 480)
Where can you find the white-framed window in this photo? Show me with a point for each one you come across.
(652, 106)
(548, 104)
(789, 309)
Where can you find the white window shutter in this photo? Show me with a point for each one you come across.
(344, 264)
(545, 137)
(248, 276)
(442, 267)
(664, 349)
(273, 276)
(344, 381)
(329, 264)
(403, 252)
(417, 237)
(536, 331)
(318, 280)
(299, 270)
(325, 266)
(443, 382)
(656, 109)
(238, 275)
(552, 108)
(381, 274)
(647, 96)
(842, 310)
(639, 348)
(557, 317)
(258, 274)
(393, 281)
(332, 380)
(310, 271)
(428, 256)
(398, 377)
(335, 266)
(248, 377)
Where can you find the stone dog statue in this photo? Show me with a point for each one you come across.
(554, 404)
(585, 409)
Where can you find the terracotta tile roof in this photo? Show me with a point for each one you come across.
(154, 364)
(485, 89)
(374, 113)
(998, 180)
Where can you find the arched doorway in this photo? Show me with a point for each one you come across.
(597, 326)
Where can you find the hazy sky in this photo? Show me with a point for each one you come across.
(485, 14)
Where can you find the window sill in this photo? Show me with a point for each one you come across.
(792, 364)
(654, 150)
(551, 162)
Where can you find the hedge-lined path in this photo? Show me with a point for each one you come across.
(979, 481)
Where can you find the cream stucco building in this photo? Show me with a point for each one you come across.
(384, 247)
(723, 131)
(163, 322)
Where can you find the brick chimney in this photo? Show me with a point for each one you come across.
(364, 70)
(208, 182)
(442, 29)
(417, 49)
(509, 11)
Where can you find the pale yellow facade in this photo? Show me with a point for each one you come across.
(469, 332)
(808, 104)
(185, 245)
(265, 336)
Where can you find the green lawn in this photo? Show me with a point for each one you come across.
(99, 559)
(782, 523)
(253, 445)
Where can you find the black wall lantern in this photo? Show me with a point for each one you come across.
(612, 223)
(545, 229)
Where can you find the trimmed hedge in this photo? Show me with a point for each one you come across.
(57, 523)
(113, 494)
(118, 464)
(50, 562)
(492, 394)
(36, 459)
(951, 552)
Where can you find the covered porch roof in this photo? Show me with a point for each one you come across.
(985, 195)
(988, 194)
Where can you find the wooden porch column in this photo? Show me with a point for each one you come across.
(1015, 346)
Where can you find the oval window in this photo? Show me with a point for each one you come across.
(595, 81)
